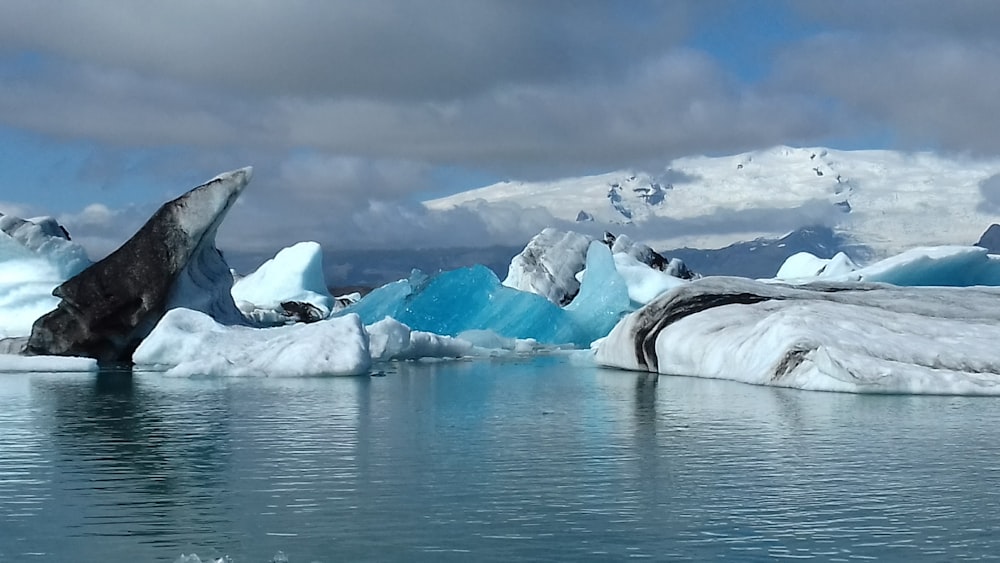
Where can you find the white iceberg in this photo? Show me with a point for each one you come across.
(548, 265)
(187, 342)
(804, 266)
(855, 337)
(35, 257)
(955, 266)
(553, 262)
(295, 274)
(644, 283)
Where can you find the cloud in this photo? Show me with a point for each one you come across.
(100, 230)
(435, 49)
(346, 109)
(17, 210)
(941, 94)
(672, 105)
(956, 18)
(990, 191)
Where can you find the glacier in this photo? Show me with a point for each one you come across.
(888, 201)
(849, 337)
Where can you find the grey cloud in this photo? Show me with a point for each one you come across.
(990, 191)
(436, 49)
(676, 104)
(958, 18)
(938, 93)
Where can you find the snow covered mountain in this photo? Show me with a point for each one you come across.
(888, 201)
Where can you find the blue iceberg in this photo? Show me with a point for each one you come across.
(473, 298)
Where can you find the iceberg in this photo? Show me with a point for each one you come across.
(552, 262)
(466, 299)
(187, 342)
(953, 266)
(293, 276)
(804, 266)
(849, 337)
(604, 295)
(473, 298)
(36, 256)
(171, 262)
(548, 265)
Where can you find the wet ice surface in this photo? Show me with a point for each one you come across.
(507, 460)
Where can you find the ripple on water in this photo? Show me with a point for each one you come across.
(490, 460)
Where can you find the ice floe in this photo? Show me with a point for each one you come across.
(12, 363)
(187, 342)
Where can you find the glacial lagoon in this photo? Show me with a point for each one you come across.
(544, 458)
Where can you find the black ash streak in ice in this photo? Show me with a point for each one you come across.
(107, 309)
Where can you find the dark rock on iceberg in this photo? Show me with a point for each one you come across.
(302, 312)
(991, 239)
(170, 262)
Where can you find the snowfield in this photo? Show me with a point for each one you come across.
(890, 201)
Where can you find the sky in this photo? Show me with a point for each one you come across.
(353, 112)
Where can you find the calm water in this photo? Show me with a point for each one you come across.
(510, 460)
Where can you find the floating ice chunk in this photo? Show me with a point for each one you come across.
(465, 299)
(849, 337)
(491, 341)
(10, 363)
(473, 299)
(392, 340)
(294, 274)
(187, 342)
(936, 265)
(806, 266)
(955, 266)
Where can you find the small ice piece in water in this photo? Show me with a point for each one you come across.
(390, 339)
(12, 363)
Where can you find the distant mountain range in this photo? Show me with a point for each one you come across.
(762, 257)
(883, 201)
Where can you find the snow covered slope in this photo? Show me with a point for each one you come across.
(887, 200)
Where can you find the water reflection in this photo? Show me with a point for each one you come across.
(496, 460)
